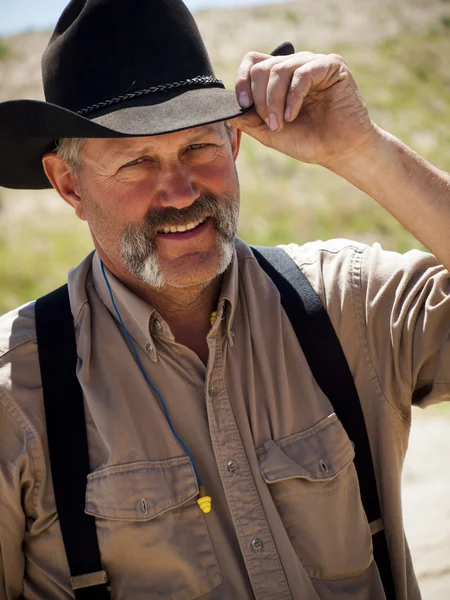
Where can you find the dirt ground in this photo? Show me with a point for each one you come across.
(426, 500)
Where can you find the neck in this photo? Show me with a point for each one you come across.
(188, 313)
(186, 310)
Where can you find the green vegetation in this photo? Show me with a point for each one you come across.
(4, 50)
(292, 16)
(406, 84)
(440, 410)
(37, 252)
(405, 81)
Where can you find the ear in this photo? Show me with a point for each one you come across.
(64, 181)
(237, 142)
(235, 136)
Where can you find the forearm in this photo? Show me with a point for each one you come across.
(415, 192)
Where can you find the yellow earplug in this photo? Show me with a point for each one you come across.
(204, 501)
(213, 318)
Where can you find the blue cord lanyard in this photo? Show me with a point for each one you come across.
(150, 384)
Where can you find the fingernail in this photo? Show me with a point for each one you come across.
(287, 113)
(244, 100)
(273, 123)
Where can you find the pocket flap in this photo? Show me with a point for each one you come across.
(317, 454)
(141, 490)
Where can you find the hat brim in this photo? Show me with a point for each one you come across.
(29, 128)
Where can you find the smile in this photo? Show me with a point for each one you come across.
(183, 232)
(181, 228)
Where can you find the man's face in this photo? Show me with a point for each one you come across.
(163, 208)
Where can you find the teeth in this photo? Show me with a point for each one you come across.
(180, 228)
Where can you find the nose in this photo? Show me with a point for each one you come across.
(176, 187)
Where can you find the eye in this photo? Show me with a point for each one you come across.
(138, 161)
(199, 146)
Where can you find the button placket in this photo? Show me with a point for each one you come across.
(242, 496)
(230, 337)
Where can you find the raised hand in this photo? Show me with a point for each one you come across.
(306, 105)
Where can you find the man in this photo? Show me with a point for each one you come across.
(193, 379)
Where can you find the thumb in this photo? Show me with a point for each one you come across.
(250, 122)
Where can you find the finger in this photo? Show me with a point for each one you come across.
(243, 86)
(318, 74)
(278, 86)
(259, 78)
(301, 83)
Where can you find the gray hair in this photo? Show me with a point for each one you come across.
(69, 149)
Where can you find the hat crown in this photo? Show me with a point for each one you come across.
(101, 49)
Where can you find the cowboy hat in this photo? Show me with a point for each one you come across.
(114, 68)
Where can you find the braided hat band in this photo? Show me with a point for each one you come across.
(205, 80)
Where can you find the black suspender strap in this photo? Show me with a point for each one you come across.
(329, 366)
(67, 442)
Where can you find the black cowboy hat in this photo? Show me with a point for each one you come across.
(114, 68)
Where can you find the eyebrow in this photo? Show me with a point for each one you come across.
(129, 151)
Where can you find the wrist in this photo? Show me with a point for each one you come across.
(367, 165)
(375, 150)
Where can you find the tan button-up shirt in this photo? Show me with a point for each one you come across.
(259, 429)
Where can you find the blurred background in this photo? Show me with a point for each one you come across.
(399, 54)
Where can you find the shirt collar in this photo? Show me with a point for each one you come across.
(142, 321)
(137, 315)
(226, 306)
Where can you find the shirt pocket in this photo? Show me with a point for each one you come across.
(153, 537)
(313, 482)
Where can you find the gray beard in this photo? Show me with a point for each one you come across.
(139, 250)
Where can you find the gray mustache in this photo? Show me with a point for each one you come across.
(172, 216)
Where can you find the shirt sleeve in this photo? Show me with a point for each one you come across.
(15, 471)
(406, 305)
(391, 313)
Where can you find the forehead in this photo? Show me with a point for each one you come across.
(123, 146)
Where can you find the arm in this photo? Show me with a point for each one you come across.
(13, 467)
(415, 192)
(308, 106)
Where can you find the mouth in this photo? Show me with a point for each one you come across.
(183, 232)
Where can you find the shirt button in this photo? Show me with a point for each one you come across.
(232, 333)
(231, 467)
(157, 324)
(149, 348)
(256, 545)
(210, 390)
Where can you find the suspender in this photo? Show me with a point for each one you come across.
(67, 443)
(63, 401)
(329, 366)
